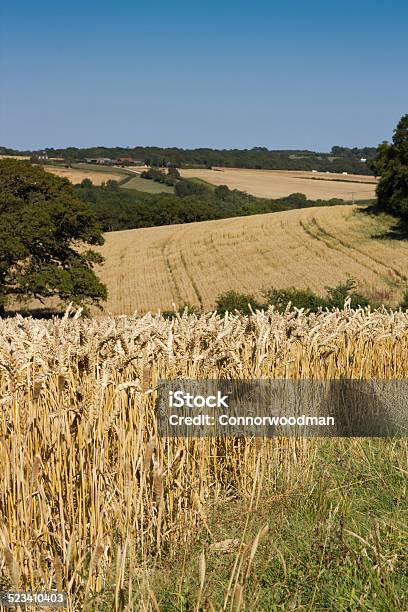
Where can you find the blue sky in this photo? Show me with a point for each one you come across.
(289, 74)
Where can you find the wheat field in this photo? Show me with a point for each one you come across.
(155, 268)
(280, 183)
(90, 496)
(22, 157)
(76, 175)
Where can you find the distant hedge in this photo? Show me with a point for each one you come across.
(245, 303)
(118, 209)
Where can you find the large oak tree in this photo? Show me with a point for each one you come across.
(392, 164)
(44, 234)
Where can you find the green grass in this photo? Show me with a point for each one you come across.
(203, 182)
(102, 168)
(147, 185)
(338, 540)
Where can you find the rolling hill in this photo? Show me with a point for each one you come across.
(154, 268)
(280, 183)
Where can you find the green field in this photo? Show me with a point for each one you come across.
(203, 182)
(103, 168)
(147, 185)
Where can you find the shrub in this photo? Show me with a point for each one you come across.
(280, 298)
(232, 301)
(404, 302)
(187, 309)
(338, 295)
(298, 298)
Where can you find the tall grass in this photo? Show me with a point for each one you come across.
(87, 489)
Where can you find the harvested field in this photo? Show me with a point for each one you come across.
(14, 157)
(154, 268)
(280, 183)
(76, 175)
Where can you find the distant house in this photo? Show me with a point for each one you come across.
(121, 161)
(39, 158)
(98, 160)
(129, 161)
(363, 159)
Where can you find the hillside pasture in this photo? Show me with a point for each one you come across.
(147, 185)
(155, 268)
(280, 183)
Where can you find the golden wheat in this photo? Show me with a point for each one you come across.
(154, 268)
(77, 175)
(280, 183)
(89, 491)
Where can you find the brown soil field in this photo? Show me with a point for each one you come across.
(76, 176)
(155, 268)
(280, 183)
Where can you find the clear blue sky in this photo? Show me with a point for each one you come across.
(288, 74)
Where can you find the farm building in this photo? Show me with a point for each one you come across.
(98, 160)
(122, 161)
(129, 161)
(40, 157)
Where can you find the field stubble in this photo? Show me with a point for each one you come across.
(281, 183)
(155, 268)
(77, 175)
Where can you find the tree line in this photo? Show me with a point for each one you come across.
(339, 159)
(119, 209)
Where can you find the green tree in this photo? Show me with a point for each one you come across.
(42, 224)
(222, 192)
(392, 164)
(174, 173)
(188, 188)
(112, 185)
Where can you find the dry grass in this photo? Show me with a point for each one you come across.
(76, 176)
(89, 495)
(279, 183)
(153, 268)
(14, 157)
